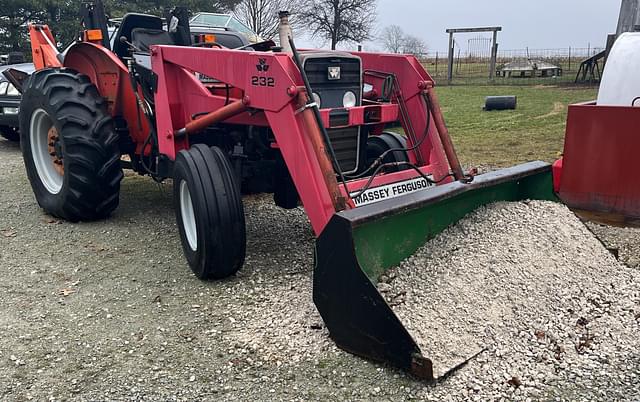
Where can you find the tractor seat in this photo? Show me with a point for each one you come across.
(130, 22)
(144, 38)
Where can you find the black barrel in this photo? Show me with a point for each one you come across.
(500, 102)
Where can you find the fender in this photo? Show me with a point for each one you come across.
(109, 74)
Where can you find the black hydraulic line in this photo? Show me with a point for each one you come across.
(316, 112)
(151, 138)
(394, 86)
(142, 162)
(379, 160)
(396, 164)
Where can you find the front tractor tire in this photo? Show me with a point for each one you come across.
(69, 145)
(209, 212)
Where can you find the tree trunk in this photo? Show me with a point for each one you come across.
(336, 24)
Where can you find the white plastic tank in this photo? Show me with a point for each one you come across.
(620, 83)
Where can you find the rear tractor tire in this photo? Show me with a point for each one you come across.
(209, 212)
(69, 145)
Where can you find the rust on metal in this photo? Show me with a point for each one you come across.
(607, 218)
(321, 151)
(443, 133)
(52, 140)
(224, 113)
(421, 367)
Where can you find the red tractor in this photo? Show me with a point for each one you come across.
(307, 126)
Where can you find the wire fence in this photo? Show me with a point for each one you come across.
(513, 67)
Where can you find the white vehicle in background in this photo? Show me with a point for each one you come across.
(224, 22)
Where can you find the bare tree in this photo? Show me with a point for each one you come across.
(413, 45)
(339, 20)
(262, 15)
(395, 40)
(392, 39)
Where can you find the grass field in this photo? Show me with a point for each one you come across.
(535, 130)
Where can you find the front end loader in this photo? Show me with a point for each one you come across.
(307, 126)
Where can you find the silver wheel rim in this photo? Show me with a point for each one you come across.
(188, 216)
(38, 136)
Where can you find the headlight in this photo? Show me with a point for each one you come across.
(10, 110)
(11, 90)
(349, 99)
(317, 99)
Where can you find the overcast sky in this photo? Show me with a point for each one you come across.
(538, 24)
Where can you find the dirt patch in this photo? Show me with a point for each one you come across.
(558, 107)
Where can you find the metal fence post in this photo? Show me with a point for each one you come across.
(494, 55)
(450, 68)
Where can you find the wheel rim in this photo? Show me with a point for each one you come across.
(43, 135)
(188, 216)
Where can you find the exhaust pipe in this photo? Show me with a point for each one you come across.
(284, 31)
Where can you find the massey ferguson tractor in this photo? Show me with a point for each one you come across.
(307, 126)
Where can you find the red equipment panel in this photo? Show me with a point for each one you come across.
(601, 151)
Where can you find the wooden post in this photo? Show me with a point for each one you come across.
(611, 39)
(494, 50)
(450, 68)
(569, 58)
(494, 55)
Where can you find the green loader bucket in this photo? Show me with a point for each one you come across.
(359, 245)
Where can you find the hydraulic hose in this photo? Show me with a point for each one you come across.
(316, 112)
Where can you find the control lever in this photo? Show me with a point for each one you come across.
(123, 39)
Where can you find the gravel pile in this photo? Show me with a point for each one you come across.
(556, 314)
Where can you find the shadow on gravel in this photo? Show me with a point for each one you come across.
(143, 198)
(9, 146)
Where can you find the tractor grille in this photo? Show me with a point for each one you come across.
(345, 143)
(331, 76)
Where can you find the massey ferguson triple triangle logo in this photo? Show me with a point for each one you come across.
(262, 65)
(334, 73)
(263, 79)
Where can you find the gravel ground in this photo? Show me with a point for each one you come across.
(110, 310)
(623, 241)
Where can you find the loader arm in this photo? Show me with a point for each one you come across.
(43, 49)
